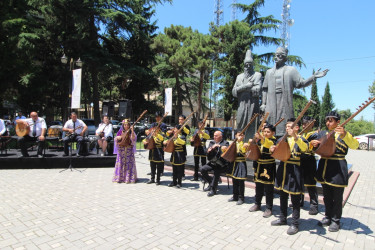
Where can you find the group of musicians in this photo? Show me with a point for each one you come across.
(74, 130)
(290, 177)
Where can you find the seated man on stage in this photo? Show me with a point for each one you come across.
(75, 129)
(37, 132)
(216, 163)
(104, 134)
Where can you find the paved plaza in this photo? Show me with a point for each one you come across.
(45, 209)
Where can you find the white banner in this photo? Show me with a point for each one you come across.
(76, 89)
(168, 101)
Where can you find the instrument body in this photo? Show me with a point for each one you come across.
(74, 131)
(169, 147)
(196, 140)
(214, 156)
(231, 153)
(149, 140)
(54, 132)
(253, 152)
(22, 129)
(125, 135)
(282, 150)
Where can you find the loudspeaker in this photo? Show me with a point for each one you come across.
(111, 109)
(125, 108)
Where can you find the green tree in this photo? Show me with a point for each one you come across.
(359, 127)
(345, 114)
(314, 110)
(371, 89)
(299, 102)
(327, 104)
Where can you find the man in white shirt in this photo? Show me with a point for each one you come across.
(3, 128)
(74, 129)
(105, 134)
(37, 132)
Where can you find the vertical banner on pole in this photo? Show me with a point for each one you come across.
(168, 101)
(76, 89)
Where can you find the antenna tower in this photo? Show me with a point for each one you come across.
(287, 23)
(234, 10)
(218, 12)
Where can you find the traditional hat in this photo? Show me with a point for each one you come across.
(333, 114)
(126, 121)
(248, 57)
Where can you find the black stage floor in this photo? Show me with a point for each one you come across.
(53, 159)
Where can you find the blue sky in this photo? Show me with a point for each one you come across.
(334, 34)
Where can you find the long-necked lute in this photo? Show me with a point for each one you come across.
(169, 147)
(308, 127)
(253, 152)
(22, 129)
(125, 135)
(231, 153)
(282, 150)
(149, 141)
(195, 139)
(327, 146)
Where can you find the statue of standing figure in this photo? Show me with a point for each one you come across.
(277, 90)
(247, 90)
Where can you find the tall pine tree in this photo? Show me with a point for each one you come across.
(314, 110)
(327, 104)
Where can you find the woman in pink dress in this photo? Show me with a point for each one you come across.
(125, 169)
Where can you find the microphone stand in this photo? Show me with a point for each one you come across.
(70, 156)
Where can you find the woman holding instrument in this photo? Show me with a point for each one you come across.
(104, 134)
(238, 171)
(200, 152)
(125, 168)
(264, 170)
(332, 172)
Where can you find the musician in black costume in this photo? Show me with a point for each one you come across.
(178, 156)
(200, 152)
(156, 155)
(289, 178)
(308, 163)
(238, 171)
(264, 170)
(332, 172)
(216, 163)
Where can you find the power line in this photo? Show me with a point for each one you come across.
(341, 60)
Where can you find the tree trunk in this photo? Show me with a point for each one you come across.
(200, 90)
(194, 120)
(179, 98)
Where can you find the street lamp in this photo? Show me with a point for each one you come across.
(78, 63)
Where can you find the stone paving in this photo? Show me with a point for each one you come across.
(45, 209)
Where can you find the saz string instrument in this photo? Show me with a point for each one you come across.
(149, 142)
(253, 152)
(125, 140)
(22, 129)
(74, 131)
(282, 150)
(196, 140)
(277, 123)
(231, 153)
(308, 127)
(169, 147)
(327, 146)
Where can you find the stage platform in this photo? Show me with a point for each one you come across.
(54, 159)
